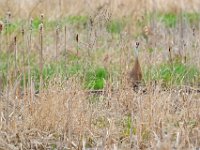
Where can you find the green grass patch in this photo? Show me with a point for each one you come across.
(95, 79)
(35, 23)
(11, 27)
(171, 19)
(192, 18)
(173, 74)
(3, 61)
(127, 127)
(76, 20)
(116, 26)
(168, 19)
(52, 69)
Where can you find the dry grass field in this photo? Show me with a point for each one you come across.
(99, 75)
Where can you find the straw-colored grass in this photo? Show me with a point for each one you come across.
(83, 99)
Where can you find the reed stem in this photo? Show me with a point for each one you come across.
(41, 55)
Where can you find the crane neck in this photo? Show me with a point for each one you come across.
(136, 52)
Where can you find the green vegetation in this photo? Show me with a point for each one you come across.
(173, 74)
(77, 85)
(192, 18)
(60, 68)
(171, 19)
(168, 19)
(116, 26)
(127, 127)
(12, 27)
(77, 20)
(169, 74)
(95, 79)
(35, 23)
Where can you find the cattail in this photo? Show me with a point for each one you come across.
(42, 18)
(65, 42)
(77, 44)
(24, 72)
(30, 94)
(8, 20)
(185, 56)
(31, 24)
(136, 73)
(57, 41)
(23, 31)
(60, 7)
(91, 22)
(77, 38)
(1, 26)
(7, 23)
(193, 31)
(41, 53)
(170, 54)
(9, 14)
(1, 29)
(15, 49)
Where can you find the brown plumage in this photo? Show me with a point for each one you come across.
(136, 72)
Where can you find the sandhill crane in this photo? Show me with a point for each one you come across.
(136, 73)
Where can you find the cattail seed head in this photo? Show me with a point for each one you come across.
(170, 54)
(57, 29)
(9, 14)
(15, 40)
(22, 31)
(137, 44)
(41, 27)
(1, 26)
(193, 31)
(91, 21)
(169, 49)
(77, 38)
(42, 16)
(31, 23)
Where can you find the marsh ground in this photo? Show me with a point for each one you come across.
(67, 86)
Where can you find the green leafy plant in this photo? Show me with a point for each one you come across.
(173, 74)
(193, 18)
(115, 26)
(169, 19)
(35, 23)
(95, 79)
(77, 20)
(52, 70)
(127, 127)
(11, 28)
